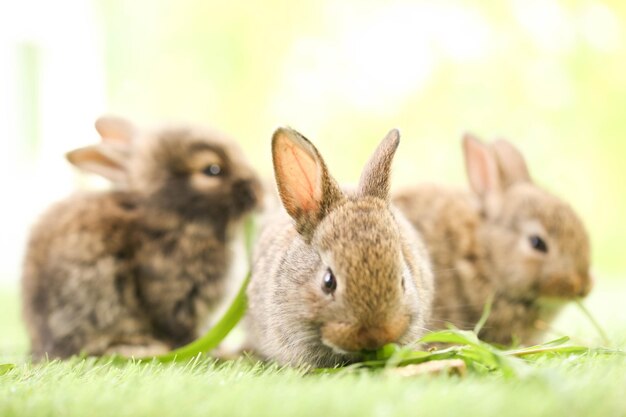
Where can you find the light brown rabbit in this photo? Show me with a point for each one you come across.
(338, 272)
(138, 270)
(508, 238)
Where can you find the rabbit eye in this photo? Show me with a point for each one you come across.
(212, 170)
(329, 284)
(538, 244)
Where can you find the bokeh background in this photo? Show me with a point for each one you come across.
(549, 75)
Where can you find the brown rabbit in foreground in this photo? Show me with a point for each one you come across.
(138, 270)
(508, 238)
(339, 272)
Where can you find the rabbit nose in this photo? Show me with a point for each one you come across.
(566, 286)
(587, 284)
(356, 337)
(245, 194)
(374, 338)
(579, 285)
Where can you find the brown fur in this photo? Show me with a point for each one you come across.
(137, 271)
(384, 283)
(479, 246)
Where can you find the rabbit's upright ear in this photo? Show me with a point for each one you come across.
(513, 168)
(482, 172)
(306, 188)
(104, 159)
(375, 178)
(115, 129)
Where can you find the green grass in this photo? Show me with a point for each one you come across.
(584, 385)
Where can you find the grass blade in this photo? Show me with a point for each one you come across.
(539, 350)
(6, 367)
(231, 318)
(452, 336)
(485, 315)
(213, 337)
(595, 324)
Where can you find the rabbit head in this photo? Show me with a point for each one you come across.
(195, 172)
(359, 277)
(537, 243)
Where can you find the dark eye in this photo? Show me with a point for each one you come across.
(538, 244)
(212, 170)
(329, 284)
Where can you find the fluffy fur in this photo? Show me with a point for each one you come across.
(137, 271)
(383, 278)
(480, 246)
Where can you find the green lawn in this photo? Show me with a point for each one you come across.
(582, 385)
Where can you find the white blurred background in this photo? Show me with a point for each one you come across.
(51, 87)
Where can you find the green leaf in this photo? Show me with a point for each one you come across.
(387, 351)
(454, 336)
(6, 367)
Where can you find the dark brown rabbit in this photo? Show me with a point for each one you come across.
(509, 239)
(138, 270)
(336, 272)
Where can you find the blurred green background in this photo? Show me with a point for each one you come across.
(548, 75)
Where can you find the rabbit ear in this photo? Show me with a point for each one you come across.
(306, 188)
(375, 178)
(511, 162)
(482, 171)
(115, 129)
(105, 159)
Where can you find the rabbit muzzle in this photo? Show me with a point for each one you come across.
(246, 194)
(571, 286)
(344, 337)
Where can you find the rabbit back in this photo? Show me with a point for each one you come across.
(448, 221)
(98, 274)
(184, 270)
(77, 265)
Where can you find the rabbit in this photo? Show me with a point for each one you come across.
(508, 239)
(138, 270)
(336, 272)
